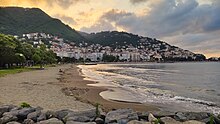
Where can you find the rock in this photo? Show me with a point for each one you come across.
(51, 121)
(169, 120)
(138, 122)
(12, 112)
(62, 113)
(151, 118)
(50, 114)
(38, 108)
(13, 122)
(42, 117)
(99, 121)
(22, 113)
(143, 116)
(78, 119)
(185, 116)
(8, 118)
(193, 122)
(34, 115)
(74, 122)
(5, 108)
(89, 113)
(217, 120)
(121, 115)
(28, 121)
(160, 114)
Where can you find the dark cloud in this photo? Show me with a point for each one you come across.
(170, 18)
(66, 19)
(137, 1)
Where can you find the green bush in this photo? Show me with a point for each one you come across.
(25, 105)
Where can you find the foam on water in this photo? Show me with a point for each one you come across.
(124, 86)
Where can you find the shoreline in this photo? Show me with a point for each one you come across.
(83, 92)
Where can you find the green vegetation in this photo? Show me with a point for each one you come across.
(14, 54)
(4, 72)
(107, 38)
(25, 105)
(97, 110)
(17, 21)
(109, 58)
(158, 121)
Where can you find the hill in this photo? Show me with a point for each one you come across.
(17, 21)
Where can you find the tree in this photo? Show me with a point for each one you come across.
(109, 58)
(36, 58)
(7, 50)
(19, 58)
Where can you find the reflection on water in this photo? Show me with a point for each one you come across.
(176, 86)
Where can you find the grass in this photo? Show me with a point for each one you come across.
(4, 72)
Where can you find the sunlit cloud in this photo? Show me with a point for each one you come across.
(190, 24)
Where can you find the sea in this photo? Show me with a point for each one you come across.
(193, 86)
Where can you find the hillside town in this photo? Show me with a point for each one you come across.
(146, 50)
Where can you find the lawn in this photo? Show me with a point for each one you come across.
(4, 72)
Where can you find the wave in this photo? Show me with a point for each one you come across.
(142, 90)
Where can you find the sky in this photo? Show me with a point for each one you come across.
(190, 24)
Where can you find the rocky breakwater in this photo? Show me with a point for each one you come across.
(10, 114)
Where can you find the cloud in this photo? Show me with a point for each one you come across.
(66, 19)
(64, 3)
(137, 1)
(174, 18)
(101, 25)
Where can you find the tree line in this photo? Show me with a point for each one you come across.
(15, 53)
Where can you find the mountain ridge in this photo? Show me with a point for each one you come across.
(31, 20)
(18, 21)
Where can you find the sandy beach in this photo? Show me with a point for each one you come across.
(38, 88)
(51, 89)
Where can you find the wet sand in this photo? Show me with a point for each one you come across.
(90, 94)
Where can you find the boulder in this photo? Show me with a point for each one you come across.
(99, 121)
(8, 118)
(42, 117)
(143, 116)
(78, 119)
(74, 122)
(160, 114)
(22, 113)
(5, 108)
(185, 116)
(151, 118)
(51, 121)
(169, 120)
(34, 115)
(62, 113)
(28, 121)
(13, 122)
(138, 122)
(193, 122)
(120, 115)
(50, 114)
(88, 113)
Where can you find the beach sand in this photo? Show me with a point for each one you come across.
(38, 88)
(90, 94)
(54, 90)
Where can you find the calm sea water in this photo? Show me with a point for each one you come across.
(171, 86)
